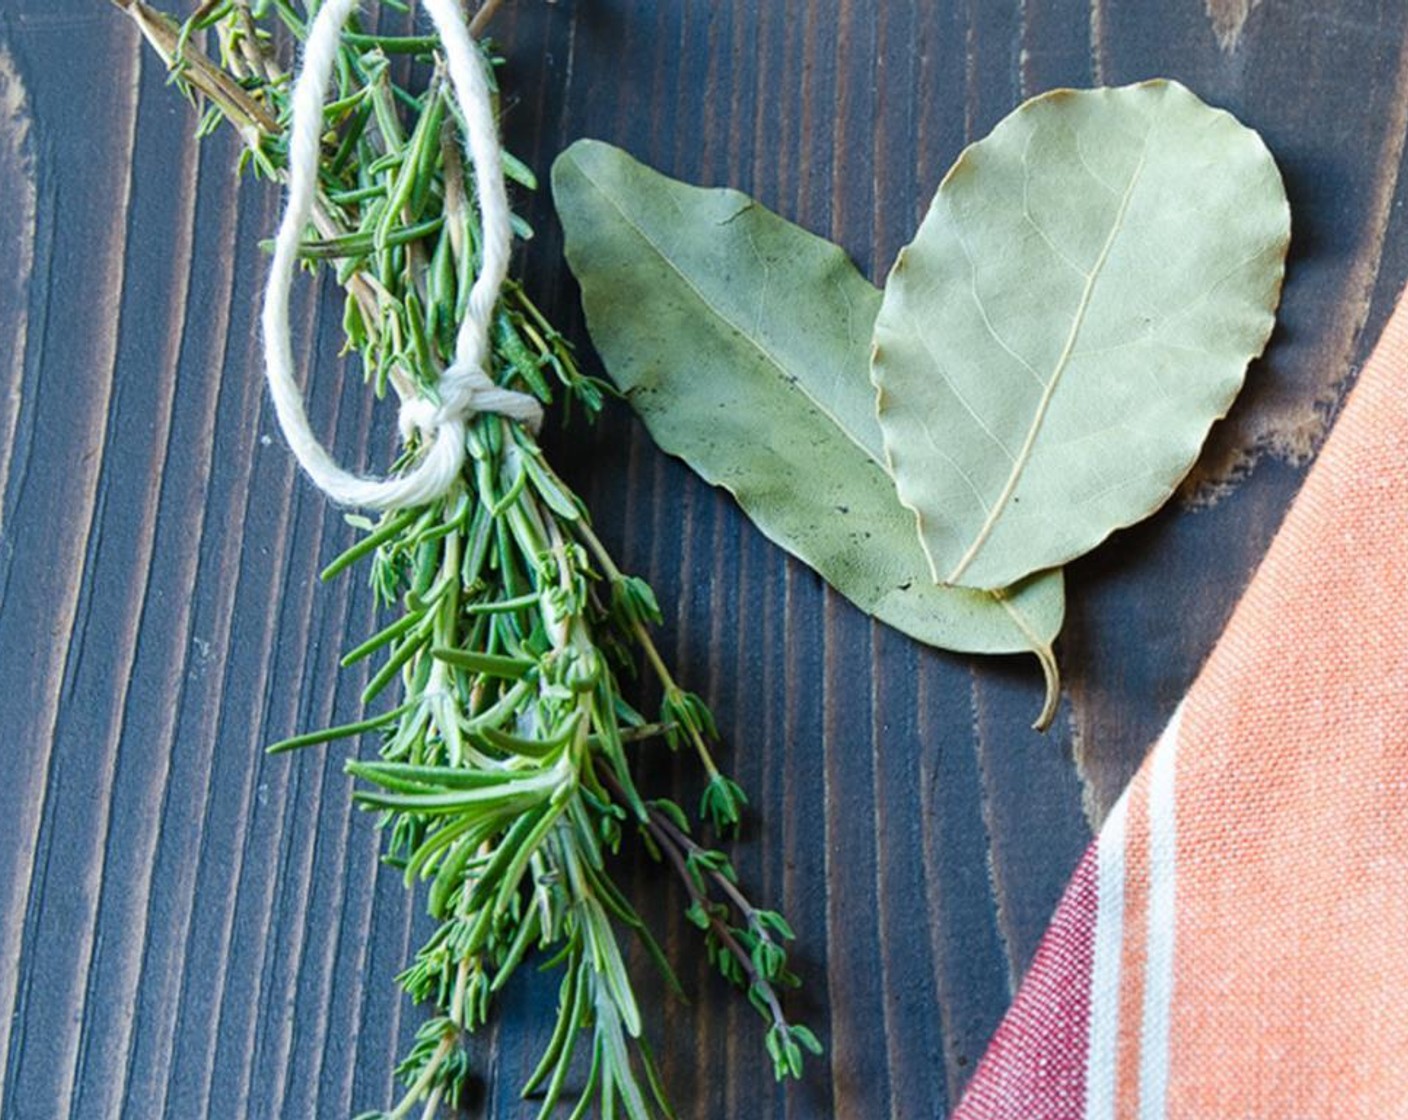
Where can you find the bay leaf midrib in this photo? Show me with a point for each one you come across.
(718, 313)
(1024, 454)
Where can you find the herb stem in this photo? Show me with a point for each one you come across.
(647, 644)
(668, 837)
(423, 1082)
(481, 19)
(432, 1103)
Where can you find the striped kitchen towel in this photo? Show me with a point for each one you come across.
(1235, 942)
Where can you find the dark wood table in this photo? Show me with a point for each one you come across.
(189, 928)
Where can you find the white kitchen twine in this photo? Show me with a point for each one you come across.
(465, 388)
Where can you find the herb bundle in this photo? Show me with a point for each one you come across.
(504, 779)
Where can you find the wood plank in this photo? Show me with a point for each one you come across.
(189, 928)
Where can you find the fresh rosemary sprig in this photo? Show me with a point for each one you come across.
(504, 777)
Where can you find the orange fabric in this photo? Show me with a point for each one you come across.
(1244, 952)
(1132, 956)
(1291, 974)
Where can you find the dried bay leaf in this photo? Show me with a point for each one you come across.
(743, 342)
(1078, 306)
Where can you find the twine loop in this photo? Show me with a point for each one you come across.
(465, 387)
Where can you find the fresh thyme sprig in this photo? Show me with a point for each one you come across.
(503, 779)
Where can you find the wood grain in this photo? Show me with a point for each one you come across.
(189, 928)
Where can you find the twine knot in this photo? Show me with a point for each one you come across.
(464, 388)
(464, 392)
